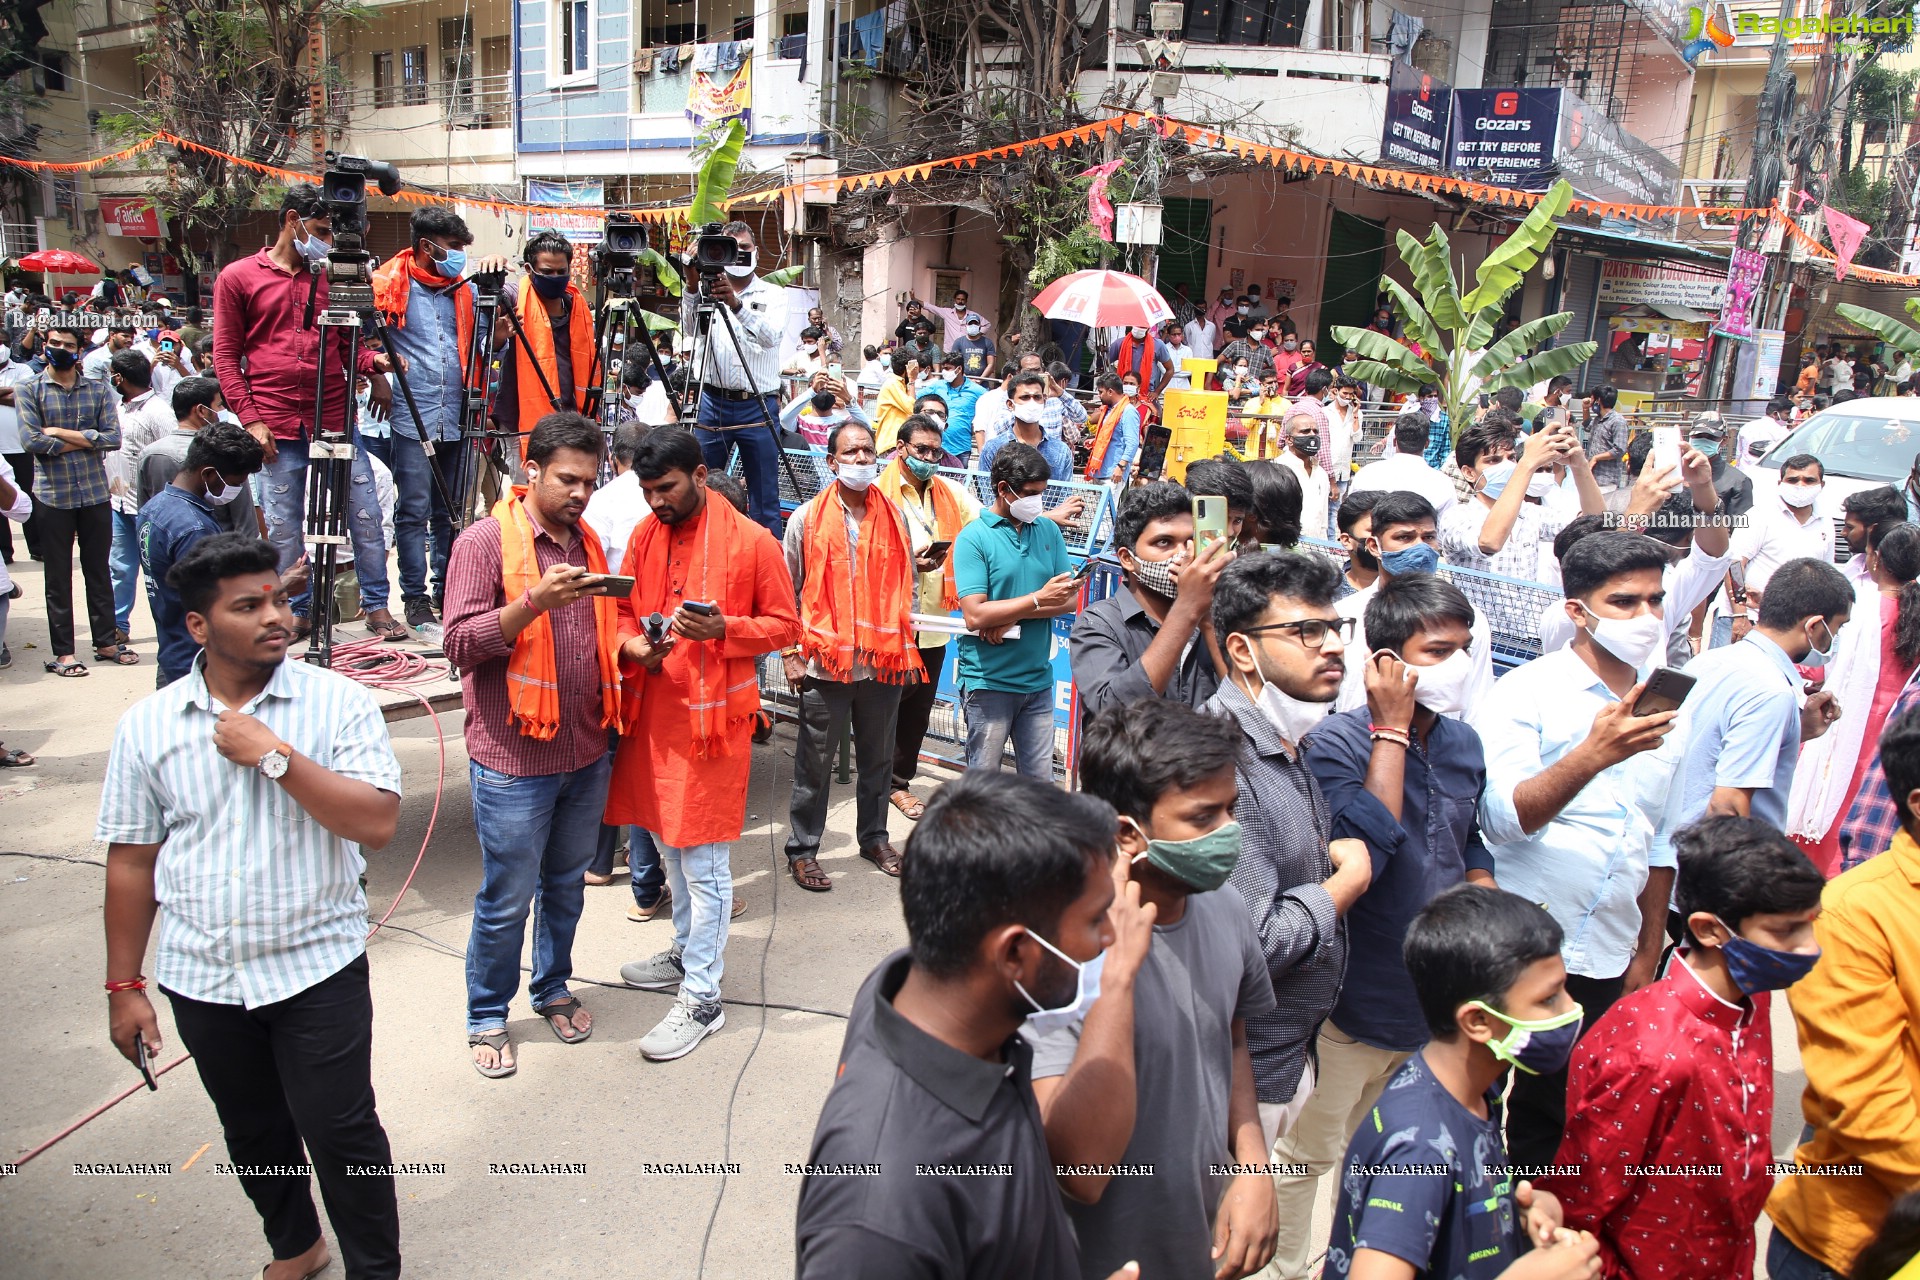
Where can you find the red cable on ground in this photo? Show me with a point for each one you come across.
(377, 665)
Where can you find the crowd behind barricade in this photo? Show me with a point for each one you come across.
(1446, 805)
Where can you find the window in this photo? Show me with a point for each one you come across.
(413, 75)
(384, 83)
(54, 71)
(572, 40)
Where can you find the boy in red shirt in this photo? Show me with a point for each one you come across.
(1670, 1096)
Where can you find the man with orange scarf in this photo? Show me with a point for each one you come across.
(719, 587)
(852, 563)
(550, 358)
(1117, 441)
(936, 510)
(536, 646)
(430, 317)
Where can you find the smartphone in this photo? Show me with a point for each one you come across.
(166, 346)
(700, 607)
(1209, 520)
(613, 584)
(1555, 418)
(1666, 449)
(1086, 569)
(938, 550)
(1666, 689)
(144, 1063)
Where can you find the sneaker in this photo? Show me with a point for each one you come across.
(6, 657)
(661, 973)
(684, 1027)
(640, 915)
(419, 614)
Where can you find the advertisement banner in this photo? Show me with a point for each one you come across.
(714, 97)
(579, 228)
(1746, 271)
(1419, 109)
(1605, 162)
(1634, 283)
(1510, 137)
(130, 216)
(1770, 348)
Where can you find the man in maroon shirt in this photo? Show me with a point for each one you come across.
(539, 770)
(266, 351)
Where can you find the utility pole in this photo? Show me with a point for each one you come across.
(1766, 182)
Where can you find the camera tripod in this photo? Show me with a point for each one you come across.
(704, 309)
(618, 323)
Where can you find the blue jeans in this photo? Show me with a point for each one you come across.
(701, 876)
(124, 561)
(994, 715)
(1786, 1261)
(727, 424)
(537, 837)
(1722, 632)
(643, 862)
(422, 523)
(286, 507)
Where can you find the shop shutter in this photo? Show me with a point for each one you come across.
(1356, 255)
(1186, 227)
(1583, 282)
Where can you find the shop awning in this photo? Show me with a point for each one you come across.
(1648, 246)
(1687, 314)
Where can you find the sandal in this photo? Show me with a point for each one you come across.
(71, 670)
(15, 759)
(390, 631)
(808, 875)
(496, 1040)
(120, 656)
(909, 804)
(564, 1009)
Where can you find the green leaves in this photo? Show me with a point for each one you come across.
(1519, 342)
(786, 275)
(1547, 364)
(715, 179)
(663, 270)
(1885, 327)
(1419, 324)
(1381, 375)
(1433, 276)
(1381, 349)
(1505, 268)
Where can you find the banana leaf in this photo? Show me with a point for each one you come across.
(715, 180)
(1523, 339)
(785, 275)
(1503, 270)
(1414, 316)
(1433, 277)
(1885, 327)
(1550, 363)
(663, 270)
(1383, 375)
(1380, 349)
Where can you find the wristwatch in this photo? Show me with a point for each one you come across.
(273, 765)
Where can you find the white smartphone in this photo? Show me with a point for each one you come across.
(1666, 449)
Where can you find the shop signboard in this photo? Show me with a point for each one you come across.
(1645, 284)
(1509, 137)
(1419, 110)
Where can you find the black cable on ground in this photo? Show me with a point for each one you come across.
(53, 857)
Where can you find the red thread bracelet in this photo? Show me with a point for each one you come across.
(127, 984)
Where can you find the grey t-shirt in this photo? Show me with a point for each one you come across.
(1200, 974)
(161, 461)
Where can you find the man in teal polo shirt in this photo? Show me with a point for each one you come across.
(1010, 567)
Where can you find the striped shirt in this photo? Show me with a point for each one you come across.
(63, 477)
(761, 323)
(258, 902)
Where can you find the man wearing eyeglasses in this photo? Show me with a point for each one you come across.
(1286, 651)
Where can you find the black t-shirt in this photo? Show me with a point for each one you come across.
(928, 1162)
(506, 400)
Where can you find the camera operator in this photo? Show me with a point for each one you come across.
(430, 317)
(266, 351)
(736, 401)
(558, 334)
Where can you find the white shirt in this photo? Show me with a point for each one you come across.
(1181, 379)
(12, 374)
(22, 508)
(1353, 685)
(1407, 471)
(761, 323)
(1527, 553)
(1343, 428)
(143, 419)
(613, 512)
(1755, 438)
(1771, 538)
(1316, 489)
(1689, 583)
(1202, 335)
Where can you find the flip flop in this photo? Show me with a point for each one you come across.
(496, 1040)
(309, 1276)
(16, 760)
(120, 656)
(564, 1009)
(71, 670)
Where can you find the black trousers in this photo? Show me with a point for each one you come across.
(826, 706)
(1537, 1105)
(916, 710)
(22, 464)
(92, 528)
(294, 1079)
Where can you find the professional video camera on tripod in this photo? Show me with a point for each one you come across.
(620, 328)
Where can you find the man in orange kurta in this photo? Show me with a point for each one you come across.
(690, 698)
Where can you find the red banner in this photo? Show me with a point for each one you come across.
(130, 216)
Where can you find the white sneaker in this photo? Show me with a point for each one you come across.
(661, 972)
(684, 1027)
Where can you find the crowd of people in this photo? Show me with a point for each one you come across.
(1329, 892)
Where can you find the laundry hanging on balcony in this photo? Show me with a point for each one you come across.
(724, 57)
(719, 94)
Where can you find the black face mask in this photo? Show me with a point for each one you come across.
(1365, 558)
(549, 287)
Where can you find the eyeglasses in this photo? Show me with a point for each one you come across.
(926, 452)
(1312, 631)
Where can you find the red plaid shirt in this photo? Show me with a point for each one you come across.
(1874, 819)
(1669, 1121)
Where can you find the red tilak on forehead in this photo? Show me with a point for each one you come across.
(269, 587)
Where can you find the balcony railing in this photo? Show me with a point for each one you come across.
(17, 238)
(476, 102)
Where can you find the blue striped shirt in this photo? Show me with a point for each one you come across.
(258, 901)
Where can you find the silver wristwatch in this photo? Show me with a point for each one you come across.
(273, 765)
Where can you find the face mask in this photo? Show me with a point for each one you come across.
(225, 493)
(857, 476)
(1259, 335)
(1816, 656)
(228, 415)
(312, 248)
(60, 359)
(1541, 484)
(1537, 1048)
(1418, 558)
(1755, 968)
(955, 376)
(1293, 718)
(744, 271)
(921, 468)
(1138, 333)
(1291, 346)
(810, 347)
(1799, 495)
(453, 264)
(1043, 1020)
(1156, 575)
(1027, 510)
(1494, 478)
(1202, 863)
(1242, 310)
(550, 287)
(1130, 389)
(973, 331)
(1307, 444)
(1443, 686)
(1365, 558)
(1028, 410)
(1632, 640)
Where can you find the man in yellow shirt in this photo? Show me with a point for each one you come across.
(1858, 1014)
(1265, 415)
(896, 401)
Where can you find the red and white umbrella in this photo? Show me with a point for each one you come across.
(1104, 299)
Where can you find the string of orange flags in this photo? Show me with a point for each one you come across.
(1194, 135)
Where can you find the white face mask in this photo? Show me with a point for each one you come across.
(1292, 717)
(810, 347)
(1138, 333)
(1043, 1020)
(1443, 686)
(745, 271)
(1130, 389)
(1541, 484)
(857, 476)
(225, 493)
(1799, 495)
(1029, 410)
(1028, 509)
(1632, 640)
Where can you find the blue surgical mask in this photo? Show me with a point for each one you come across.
(1755, 968)
(1538, 1048)
(312, 248)
(453, 264)
(1043, 1020)
(1418, 558)
(1494, 478)
(1819, 657)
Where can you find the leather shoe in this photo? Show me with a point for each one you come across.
(883, 856)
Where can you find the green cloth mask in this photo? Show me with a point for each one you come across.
(922, 469)
(1202, 863)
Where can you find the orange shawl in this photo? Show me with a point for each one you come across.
(948, 519)
(533, 677)
(534, 404)
(393, 281)
(854, 611)
(1098, 458)
(722, 693)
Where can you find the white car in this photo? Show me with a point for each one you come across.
(1861, 444)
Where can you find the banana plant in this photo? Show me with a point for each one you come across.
(1454, 331)
(1901, 337)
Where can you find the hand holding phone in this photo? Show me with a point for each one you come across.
(1666, 449)
(1665, 690)
(613, 584)
(1209, 520)
(144, 1062)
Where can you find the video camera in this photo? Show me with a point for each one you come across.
(614, 259)
(714, 251)
(344, 186)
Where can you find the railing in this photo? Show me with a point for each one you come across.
(475, 102)
(17, 238)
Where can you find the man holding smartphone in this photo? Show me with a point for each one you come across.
(535, 642)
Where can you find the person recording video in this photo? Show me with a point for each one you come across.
(552, 347)
(736, 399)
(266, 351)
